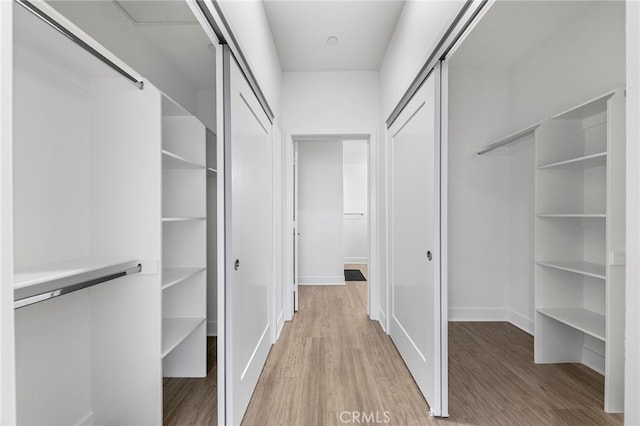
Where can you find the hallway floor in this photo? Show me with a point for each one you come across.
(332, 361)
(333, 366)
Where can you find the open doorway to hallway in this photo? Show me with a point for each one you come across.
(331, 205)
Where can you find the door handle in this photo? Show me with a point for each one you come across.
(236, 265)
(429, 255)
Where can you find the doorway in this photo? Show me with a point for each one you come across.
(352, 221)
(331, 244)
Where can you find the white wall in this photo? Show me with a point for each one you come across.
(355, 241)
(320, 207)
(478, 196)
(419, 28)
(632, 367)
(330, 102)
(586, 59)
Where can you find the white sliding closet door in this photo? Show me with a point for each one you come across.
(248, 238)
(418, 321)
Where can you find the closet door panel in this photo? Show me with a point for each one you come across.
(416, 326)
(249, 199)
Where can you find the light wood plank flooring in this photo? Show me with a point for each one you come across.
(332, 359)
(193, 401)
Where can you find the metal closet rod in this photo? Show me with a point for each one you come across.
(50, 294)
(71, 36)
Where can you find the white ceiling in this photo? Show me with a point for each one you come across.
(511, 29)
(300, 30)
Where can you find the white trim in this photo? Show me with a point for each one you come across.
(478, 314)
(7, 329)
(443, 96)
(523, 323)
(212, 328)
(279, 324)
(593, 360)
(274, 240)
(356, 260)
(222, 105)
(492, 315)
(632, 268)
(371, 136)
(382, 319)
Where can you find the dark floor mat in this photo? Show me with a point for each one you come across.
(353, 275)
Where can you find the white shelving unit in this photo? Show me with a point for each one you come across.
(86, 199)
(184, 227)
(173, 276)
(579, 287)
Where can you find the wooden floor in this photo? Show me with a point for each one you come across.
(332, 361)
(193, 401)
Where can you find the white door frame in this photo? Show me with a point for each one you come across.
(371, 136)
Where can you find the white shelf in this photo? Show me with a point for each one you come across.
(41, 278)
(583, 320)
(182, 219)
(173, 161)
(584, 162)
(173, 276)
(572, 215)
(175, 330)
(211, 170)
(587, 109)
(589, 269)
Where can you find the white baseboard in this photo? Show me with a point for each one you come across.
(478, 314)
(86, 420)
(593, 360)
(523, 323)
(279, 324)
(492, 314)
(321, 280)
(382, 319)
(212, 328)
(356, 260)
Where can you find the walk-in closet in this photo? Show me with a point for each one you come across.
(115, 207)
(536, 171)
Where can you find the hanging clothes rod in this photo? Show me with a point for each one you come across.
(50, 294)
(509, 139)
(71, 36)
(354, 214)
